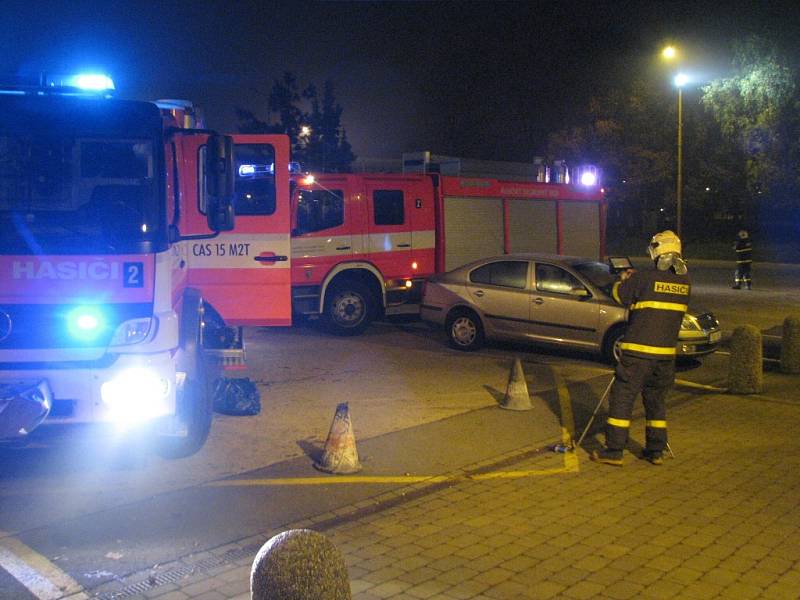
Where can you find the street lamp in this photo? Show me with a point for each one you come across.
(670, 54)
(680, 80)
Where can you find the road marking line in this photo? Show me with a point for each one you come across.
(567, 422)
(385, 479)
(42, 578)
(699, 386)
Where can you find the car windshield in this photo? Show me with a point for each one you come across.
(599, 275)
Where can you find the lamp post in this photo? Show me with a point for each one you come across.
(670, 54)
(680, 80)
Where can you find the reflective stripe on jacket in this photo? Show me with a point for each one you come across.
(657, 301)
(744, 251)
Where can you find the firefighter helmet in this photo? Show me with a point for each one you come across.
(665, 242)
(743, 235)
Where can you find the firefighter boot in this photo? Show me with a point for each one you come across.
(654, 457)
(608, 457)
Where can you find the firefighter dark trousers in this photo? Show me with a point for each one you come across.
(654, 379)
(742, 276)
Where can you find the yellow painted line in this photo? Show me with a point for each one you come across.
(699, 386)
(519, 474)
(42, 578)
(567, 422)
(387, 479)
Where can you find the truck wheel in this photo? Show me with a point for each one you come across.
(611, 350)
(349, 308)
(194, 400)
(195, 412)
(465, 331)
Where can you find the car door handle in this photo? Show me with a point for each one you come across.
(538, 301)
(276, 258)
(479, 294)
(343, 247)
(404, 245)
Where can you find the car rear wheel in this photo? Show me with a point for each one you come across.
(465, 331)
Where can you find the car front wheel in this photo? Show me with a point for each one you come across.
(611, 346)
(465, 331)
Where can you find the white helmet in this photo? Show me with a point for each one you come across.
(665, 242)
(743, 235)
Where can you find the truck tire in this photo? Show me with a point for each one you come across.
(196, 413)
(349, 308)
(465, 330)
(194, 399)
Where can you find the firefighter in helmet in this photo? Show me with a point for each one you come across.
(657, 300)
(744, 258)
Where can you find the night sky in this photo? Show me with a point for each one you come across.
(475, 79)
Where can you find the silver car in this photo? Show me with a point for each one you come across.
(557, 301)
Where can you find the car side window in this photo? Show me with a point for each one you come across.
(553, 279)
(506, 273)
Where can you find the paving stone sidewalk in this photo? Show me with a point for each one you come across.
(720, 520)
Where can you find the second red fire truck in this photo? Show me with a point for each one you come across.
(362, 244)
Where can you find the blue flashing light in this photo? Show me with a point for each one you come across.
(85, 323)
(93, 82)
(249, 170)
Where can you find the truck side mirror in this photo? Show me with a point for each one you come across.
(220, 179)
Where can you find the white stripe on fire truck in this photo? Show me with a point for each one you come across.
(42, 578)
(311, 246)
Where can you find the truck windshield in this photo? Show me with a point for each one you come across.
(67, 194)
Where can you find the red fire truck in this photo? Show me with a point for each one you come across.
(121, 268)
(362, 244)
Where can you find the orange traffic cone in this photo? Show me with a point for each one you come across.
(340, 454)
(517, 397)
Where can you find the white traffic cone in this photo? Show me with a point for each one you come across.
(340, 455)
(517, 397)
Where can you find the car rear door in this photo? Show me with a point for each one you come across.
(500, 290)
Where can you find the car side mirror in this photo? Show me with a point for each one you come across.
(220, 179)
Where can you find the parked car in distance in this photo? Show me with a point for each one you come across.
(549, 300)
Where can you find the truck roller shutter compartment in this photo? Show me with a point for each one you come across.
(580, 222)
(532, 226)
(473, 229)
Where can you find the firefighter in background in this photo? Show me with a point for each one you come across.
(744, 258)
(657, 300)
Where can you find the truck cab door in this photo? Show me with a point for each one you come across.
(390, 207)
(244, 273)
(322, 228)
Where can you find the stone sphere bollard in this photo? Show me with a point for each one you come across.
(746, 370)
(299, 564)
(790, 346)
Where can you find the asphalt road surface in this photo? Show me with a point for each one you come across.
(77, 509)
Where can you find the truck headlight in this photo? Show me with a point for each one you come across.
(136, 394)
(134, 331)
